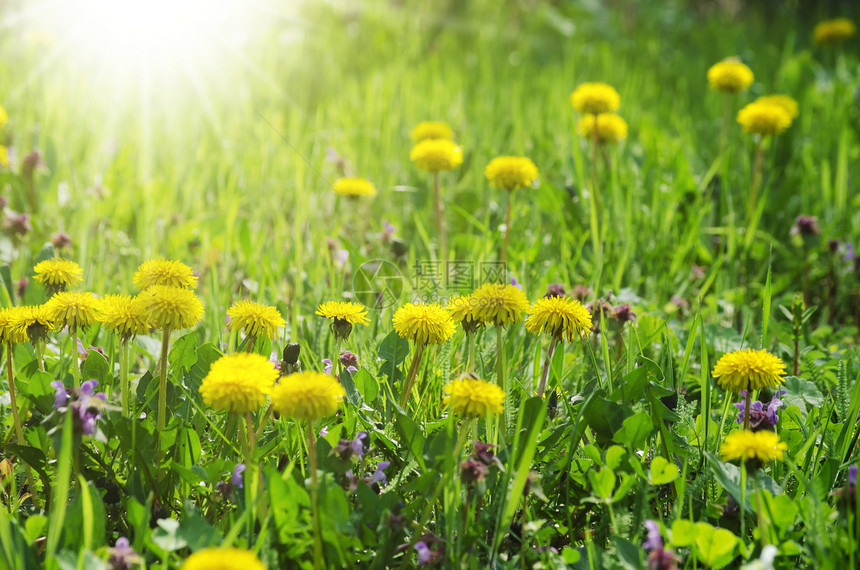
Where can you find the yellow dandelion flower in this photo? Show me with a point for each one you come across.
(344, 315)
(511, 172)
(11, 329)
(558, 316)
(222, 559)
(4, 116)
(33, 321)
(424, 324)
(255, 319)
(499, 304)
(604, 128)
(4, 156)
(307, 395)
(730, 76)
(748, 369)
(462, 309)
(788, 104)
(594, 98)
(764, 119)
(171, 307)
(57, 274)
(832, 31)
(354, 187)
(474, 398)
(431, 130)
(745, 445)
(74, 309)
(238, 382)
(123, 314)
(436, 155)
(164, 272)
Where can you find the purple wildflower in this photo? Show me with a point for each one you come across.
(276, 362)
(122, 555)
(236, 478)
(324, 431)
(761, 417)
(852, 476)
(425, 556)
(348, 359)
(655, 539)
(379, 475)
(61, 396)
(849, 251)
(89, 406)
(554, 290)
(357, 444)
(327, 368)
(61, 240)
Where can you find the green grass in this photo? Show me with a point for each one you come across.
(222, 165)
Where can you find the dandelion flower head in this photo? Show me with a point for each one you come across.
(474, 398)
(307, 395)
(238, 382)
(11, 331)
(763, 118)
(730, 76)
(832, 31)
(436, 155)
(745, 445)
(354, 187)
(122, 313)
(604, 128)
(431, 130)
(424, 323)
(74, 309)
(164, 272)
(748, 369)
(511, 172)
(57, 274)
(255, 319)
(222, 559)
(595, 98)
(788, 104)
(559, 316)
(34, 320)
(171, 307)
(499, 304)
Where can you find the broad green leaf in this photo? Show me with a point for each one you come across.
(634, 431)
(662, 471)
(366, 385)
(95, 367)
(683, 532)
(602, 482)
(183, 353)
(715, 546)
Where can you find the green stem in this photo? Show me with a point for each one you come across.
(413, 371)
(545, 374)
(747, 409)
(76, 358)
(743, 509)
(504, 256)
(440, 220)
(123, 375)
(756, 180)
(162, 381)
(16, 419)
(500, 361)
(252, 441)
(312, 453)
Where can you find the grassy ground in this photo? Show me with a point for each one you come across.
(225, 163)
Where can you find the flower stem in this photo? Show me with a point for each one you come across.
(249, 346)
(743, 510)
(263, 421)
(500, 361)
(16, 419)
(40, 354)
(470, 340)
(595, 192)
(162, 381)
(756, 179)
(504, 256)
(443, 238)
(252, 440)
(545, 374)
(747, 409)
(76, 359)
(724, 130)
(123, 375)
(413, 371)
(312, 453)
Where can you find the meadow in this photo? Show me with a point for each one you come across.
(399, 283)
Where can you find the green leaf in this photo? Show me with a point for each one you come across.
(366, 385)
(602, 482)
(96, 368)
(352, 395)
(800, 392)
(183, 354)
(166, 536)
(629, 554)
(684, 532)
(605, 417)
(393, 348)
(411, 437)
(195, 530)
(662, 471)
(715, 546)
(634, 431)
(614, 455)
